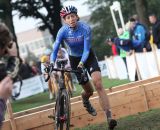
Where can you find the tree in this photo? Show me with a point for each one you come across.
(50, 19)
(142, 11)
(7, 18)
(153, 7)
(31, 56)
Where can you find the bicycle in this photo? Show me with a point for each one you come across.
(62, 107)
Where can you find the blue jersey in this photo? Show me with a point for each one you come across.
(78, 41)
(139, 35)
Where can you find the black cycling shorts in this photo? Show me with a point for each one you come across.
(91, 65)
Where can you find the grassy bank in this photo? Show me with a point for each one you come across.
(142, 121)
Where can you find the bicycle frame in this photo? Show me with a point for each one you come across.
(62, 107)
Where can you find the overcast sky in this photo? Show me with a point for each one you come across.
(24, 24)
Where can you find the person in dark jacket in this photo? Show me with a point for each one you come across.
(138, 36)
(25, 70)
(155, 29)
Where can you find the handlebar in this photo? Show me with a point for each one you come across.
(59, 69)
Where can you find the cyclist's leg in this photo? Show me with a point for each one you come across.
(72, 81)
(69, 78)
(97, 81)
(51, 92)
(67, 83)
(72, 86)
(54, 90)
(87, 90)
(94, 71)
(87, 87)
(54, 79)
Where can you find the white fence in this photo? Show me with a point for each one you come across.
(146, 64)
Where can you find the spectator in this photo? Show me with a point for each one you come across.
(6, 86)
(114, 48)
(139, 36)
(147, 44)
(155, 29)
(25, 70)
(125, 35)
(124, 44)
(153, 45)
(34, 68)
(39, 66)
(63, 55)
(52, 82)
(6, 83)
(135, 16)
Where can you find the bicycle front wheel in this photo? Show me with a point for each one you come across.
(65, 111)
(62, 111)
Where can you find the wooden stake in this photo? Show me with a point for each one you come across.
(10, 115)
(137, 68)
(142, 88)
(156, 58)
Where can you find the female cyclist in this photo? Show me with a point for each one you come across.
(77, 36)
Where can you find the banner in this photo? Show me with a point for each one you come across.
(120, 67)
(131, 67)
(103, 67)
(158, 57)
(142, 65)
(110, 69)
(152, 64)
(30, 87)
(147, 63)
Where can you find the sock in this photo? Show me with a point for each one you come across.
(109, 115)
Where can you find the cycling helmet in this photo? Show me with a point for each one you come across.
(44, 59)
(67, 10)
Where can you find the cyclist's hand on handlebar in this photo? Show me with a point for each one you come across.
(51, 66)
(80, 65)
(47, 69)
(83, 72)
(81, 68)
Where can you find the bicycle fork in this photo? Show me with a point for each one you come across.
(59, 118)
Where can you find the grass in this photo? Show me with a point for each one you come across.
(142, 121)
(43, 98)
(30, 102)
